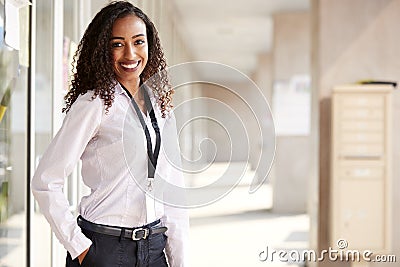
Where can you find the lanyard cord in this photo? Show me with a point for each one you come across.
(153, 156)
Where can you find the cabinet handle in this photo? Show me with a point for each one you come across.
(361, 157)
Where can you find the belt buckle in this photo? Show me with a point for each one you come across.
(145, 235)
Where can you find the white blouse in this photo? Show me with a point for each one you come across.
(112, 147)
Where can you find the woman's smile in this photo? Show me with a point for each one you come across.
(130, 66)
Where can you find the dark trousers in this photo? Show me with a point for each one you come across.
(112, 251)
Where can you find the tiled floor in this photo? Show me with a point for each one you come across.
(235, 230)
(12, 240)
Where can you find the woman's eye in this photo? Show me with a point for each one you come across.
(116, 45)
(139, 42)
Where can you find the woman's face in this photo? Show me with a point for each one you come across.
(129, 48)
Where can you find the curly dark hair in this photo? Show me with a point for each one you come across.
(94, 68)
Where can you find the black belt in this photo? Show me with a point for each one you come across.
(135, 234)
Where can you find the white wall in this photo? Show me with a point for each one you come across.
(291, 56)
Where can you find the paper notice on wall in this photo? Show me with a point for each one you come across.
(291, 105)
(12, 26)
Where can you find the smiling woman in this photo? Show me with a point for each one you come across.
(119, 223)
(96, 67)
(129, 49)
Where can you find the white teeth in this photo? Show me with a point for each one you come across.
(130, 66)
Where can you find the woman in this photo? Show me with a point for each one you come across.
(116, 126)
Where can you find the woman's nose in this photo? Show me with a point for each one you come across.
(130, 51)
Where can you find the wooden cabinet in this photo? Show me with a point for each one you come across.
(360, 195)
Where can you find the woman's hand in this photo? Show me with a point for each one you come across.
(82, 256)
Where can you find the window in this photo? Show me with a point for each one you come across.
(14, 74)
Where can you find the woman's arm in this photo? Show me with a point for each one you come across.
(176, 219)
(177, 248)
(79, 126)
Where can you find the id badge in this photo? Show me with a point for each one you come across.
(150, 202)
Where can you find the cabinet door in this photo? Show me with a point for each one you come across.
(361, 217)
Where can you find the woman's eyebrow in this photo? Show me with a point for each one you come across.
(138, 35)
(122, 38)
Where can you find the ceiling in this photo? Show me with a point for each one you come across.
(231, 32)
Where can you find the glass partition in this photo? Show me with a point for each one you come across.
(14, 74)
(43, 113)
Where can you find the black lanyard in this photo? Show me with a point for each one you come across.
(153, 156)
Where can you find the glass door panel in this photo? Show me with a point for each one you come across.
(14, 73)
